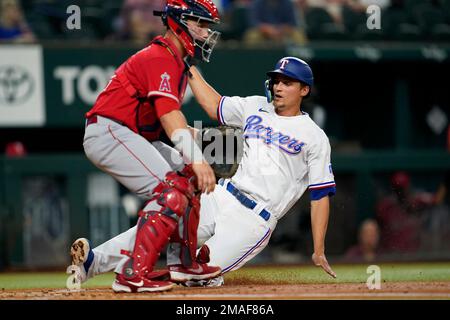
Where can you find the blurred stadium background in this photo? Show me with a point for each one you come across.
(382, 96)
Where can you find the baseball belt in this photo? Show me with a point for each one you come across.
(244, 200)
(94, 119)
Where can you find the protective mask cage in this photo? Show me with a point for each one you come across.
(203, 46)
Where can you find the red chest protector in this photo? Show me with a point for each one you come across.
(147, 122)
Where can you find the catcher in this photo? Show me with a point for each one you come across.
(284, 154)
(137, 109)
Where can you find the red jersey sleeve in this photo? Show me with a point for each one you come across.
(160, 77)
(164, 105)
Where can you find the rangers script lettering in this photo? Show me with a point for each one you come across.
(254, 129)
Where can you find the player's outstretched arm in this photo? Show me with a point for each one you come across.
(320, 210)
(206, 95)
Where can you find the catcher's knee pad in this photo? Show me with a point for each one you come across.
(174, 194)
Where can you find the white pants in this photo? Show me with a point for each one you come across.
(233, 233)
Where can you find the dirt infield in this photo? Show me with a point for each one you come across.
(242, 291)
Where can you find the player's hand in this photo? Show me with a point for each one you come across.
(321, 261)
(206, 179)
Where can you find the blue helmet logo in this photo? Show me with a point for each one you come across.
(291, 67)
(295, 68)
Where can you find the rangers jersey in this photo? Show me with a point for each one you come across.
(282, 156)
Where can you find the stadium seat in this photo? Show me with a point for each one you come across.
(41, 28)
(445, 5)
(356, 24)
(49, 19)
(93, 17)
(110, 10)
(87, 32)
(352, 19)
(333, 31)
(396, 24)
(440, 33)
(320, 25)
(237, 25)
(407, 32)
(239, 20)
(431, 20)
(410, 5)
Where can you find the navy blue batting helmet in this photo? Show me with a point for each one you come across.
(291, 67)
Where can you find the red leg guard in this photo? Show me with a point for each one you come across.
(191, 267)
(154, 228)
(186, 234)
(153, 232)
(190, 225)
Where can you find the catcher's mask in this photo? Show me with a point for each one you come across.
(175, 17)
(291, 67)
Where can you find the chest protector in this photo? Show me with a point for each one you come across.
(147, 122)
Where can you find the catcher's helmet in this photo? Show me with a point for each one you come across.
(175, 15)
(291, 67)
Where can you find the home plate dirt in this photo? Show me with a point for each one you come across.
(242, 291)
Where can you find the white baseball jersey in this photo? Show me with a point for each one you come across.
(282, 156)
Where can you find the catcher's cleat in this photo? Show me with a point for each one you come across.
(139, 284)
(198, 271)
(214, 282)
(82, 256)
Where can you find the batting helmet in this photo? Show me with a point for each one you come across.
(175, 17)
(291, 67)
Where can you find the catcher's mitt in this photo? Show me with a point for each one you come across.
(222, 148)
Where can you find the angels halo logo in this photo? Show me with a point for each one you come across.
(16, 85)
